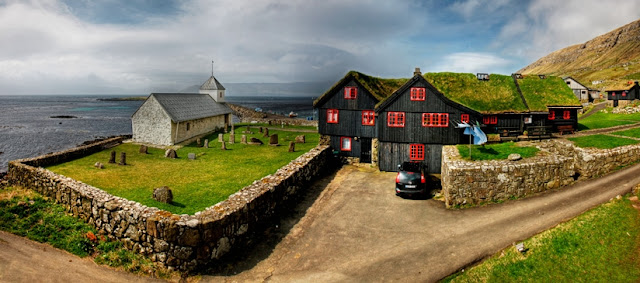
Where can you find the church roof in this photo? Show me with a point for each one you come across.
(212, 84)
(183, 107)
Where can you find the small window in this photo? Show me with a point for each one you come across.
(350, 92)
(332, 116)
(490, 120)
(569, 83)
(188, 126)
(416, 151)
(418, 93)
(482, 76)
(542, 77)
(395, 119)
(552, 115)
(613, 93)
(566, 114)
(464, 118)
(345, 144)
(368, 118)
(624, 93)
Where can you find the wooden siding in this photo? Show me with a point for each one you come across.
(391, 154)
(510, 122)
(355, 147)
(559, 120)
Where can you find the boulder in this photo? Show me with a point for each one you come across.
(99, 165)
(514, 157)
(144, 149)
(163, 194)
(300, 139)
(170, 153)
(255, 141)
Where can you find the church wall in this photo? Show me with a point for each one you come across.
(196, 127)
(151, 124)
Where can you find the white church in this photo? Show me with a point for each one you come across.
(171, 118)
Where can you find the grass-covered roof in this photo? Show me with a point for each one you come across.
(497, 95)
(551, 91)
(378, 87)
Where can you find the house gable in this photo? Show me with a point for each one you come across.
(151, 123)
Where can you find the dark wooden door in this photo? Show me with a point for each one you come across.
(615, 103)
(365, 150)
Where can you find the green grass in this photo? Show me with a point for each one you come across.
(499, 94)
(602, 141)
(634, 133)
(196, 184)
(28, 214)
(243, 126)
(600, 245)
(495, 151)
(606, 120)
(540, 93)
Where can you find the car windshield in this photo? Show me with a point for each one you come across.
(406, 177)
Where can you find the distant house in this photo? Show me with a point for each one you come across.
(171, 118)
(390, 121)
(581, 91)
(617, 94)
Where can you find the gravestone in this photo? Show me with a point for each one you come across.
(144, 149)
(232, 138)
(266, 132)
(206, 143)
(112, 159)
(248, 131)
(163, 194)
(292, 146)
(123, 158)
(99, 165)
(224, 146)
(273, 140)
(243, 139)
(220, 137)
(260, 129)
(300, 139)
(171, 153)
(255, 141)
(233, 129)
(191, 156)
(198, 142)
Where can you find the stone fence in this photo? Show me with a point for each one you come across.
(183, 242)
(558, 164)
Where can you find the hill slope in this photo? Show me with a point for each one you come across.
(613, 58)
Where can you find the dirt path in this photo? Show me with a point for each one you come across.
(23, 260)
(595, 109)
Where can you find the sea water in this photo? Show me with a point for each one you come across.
(28, 127)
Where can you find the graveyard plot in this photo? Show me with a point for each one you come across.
(197, 183)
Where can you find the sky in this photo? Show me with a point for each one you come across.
(143, 46)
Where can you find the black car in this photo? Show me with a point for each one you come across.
(411, 179)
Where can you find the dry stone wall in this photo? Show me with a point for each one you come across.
(591, 162)
(182, 242)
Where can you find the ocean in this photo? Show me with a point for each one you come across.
(29, 127)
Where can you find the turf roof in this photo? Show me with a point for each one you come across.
(551, 91)
(497, 95)
(378, 87)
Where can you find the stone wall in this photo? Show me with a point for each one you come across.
(558, 164)
(182, 242)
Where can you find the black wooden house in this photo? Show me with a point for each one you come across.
(617, 94)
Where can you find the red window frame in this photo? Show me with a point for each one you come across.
(350, 92)
(490, 120)
(464, 118)
(395, 119)
(613, 93)
(437, 120)
(418, 93)
(342, 147)
(566, 114)
(552, 115)
(416, 151)
(368, 118)
(624, 93)
(333, 116)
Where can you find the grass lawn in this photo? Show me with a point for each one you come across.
(605, 120)
(601, 141)
(600, 245)
(196, 184)
(495, 151)
(634, 133)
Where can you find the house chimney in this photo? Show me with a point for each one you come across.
(417, 72)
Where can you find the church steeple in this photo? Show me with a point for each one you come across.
(213, 87)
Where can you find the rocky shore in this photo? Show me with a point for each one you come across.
(247, 115)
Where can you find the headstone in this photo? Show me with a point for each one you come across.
(273, 139)
(232, 138)
(163, 194)
(260, 129)
(266, 132)
(255, 141)
(192, 156)
(220, 137)
(233, 129)
(198, 142)
(112, 159)
(123, 158)
(99, 165)
(514, 157)
(170, 153)
(300, 139)
(243, 139)
(144, 149)
(224, 146)
(292, 146)
(206, 143)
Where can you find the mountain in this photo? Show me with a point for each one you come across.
(272, 89)
(609, 61)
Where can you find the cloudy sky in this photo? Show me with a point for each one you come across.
(140, 46)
